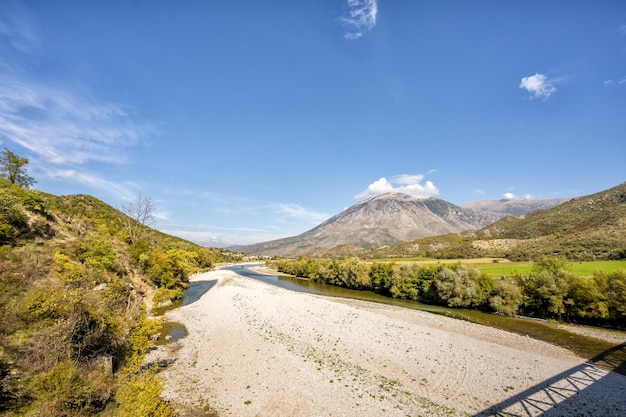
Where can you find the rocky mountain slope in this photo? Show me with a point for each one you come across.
(514, 207)
(378, 221)
(583, 228)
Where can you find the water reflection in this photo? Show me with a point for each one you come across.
(173, 331)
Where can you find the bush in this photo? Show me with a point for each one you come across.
(140, 396)
(98, 253)
(164, 295)
(461, 286)
(507, 297)
(63, 391)
(70, 272)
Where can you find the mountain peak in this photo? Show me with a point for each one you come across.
(381, 220)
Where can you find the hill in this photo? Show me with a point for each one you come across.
(75, 294)
(514, 207)
(584, 228)
(382, 220)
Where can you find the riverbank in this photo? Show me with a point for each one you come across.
(258, 350)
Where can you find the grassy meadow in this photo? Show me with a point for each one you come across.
(503, 267)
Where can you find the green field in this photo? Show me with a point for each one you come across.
(500, 267)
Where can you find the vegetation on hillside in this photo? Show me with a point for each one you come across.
(586, 228)
(550, 290)
(74, 318)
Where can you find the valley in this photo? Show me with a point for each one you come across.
(269, 351)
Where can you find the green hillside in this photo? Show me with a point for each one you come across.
(585, 228)
(75, 295)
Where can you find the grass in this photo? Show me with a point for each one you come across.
(501, 267)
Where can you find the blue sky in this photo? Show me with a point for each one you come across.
(246, 121)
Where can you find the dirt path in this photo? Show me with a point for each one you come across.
(258, 350)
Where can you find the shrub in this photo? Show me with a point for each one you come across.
(70, 272)
(460, 286)
(63, 391)
(140, 396)
(163, 295)
(507, 297)
(98, 253)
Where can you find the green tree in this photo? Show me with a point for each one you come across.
(463, 286)
(13, 169)
(381, 275)
(507, 297)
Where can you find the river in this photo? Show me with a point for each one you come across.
(610, 355)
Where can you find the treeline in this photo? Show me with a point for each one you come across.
(551, 290)
(74, 327)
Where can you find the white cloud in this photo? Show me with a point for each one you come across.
(64, 127)
(622, 29)
(479, 191)
(61, 174)
(122, 190)
(360, 18)
(299, 212)
(538, 85)
(509, 196)
(162, 215)
(613, 82)
(407, 184)
(199, 237)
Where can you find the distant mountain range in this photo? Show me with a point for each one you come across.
(583, 228)
(514, 207)
(391, 218)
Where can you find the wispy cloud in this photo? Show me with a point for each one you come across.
(407, 184)
(220, 236)
(65, 127)
(538, 85)
(298, 212)
(360, 17)
(121, 190)
(622, 29)
(614, 82)
(18, 28)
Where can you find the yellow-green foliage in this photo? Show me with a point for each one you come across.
(140, 339)
(139, 396)
(170, 267)
(59, 326)
(64, 391)
(70, 272)
(163, 295)
(98, 253)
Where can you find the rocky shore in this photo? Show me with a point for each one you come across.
(257, 350)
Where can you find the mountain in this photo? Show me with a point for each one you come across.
(514, 207)
(583, 228)
(378, 221)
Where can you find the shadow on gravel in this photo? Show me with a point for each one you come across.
(586, 390)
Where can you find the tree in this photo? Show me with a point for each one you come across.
(13, 169)
(138, 213)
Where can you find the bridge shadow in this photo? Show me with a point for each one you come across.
(595, 388)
